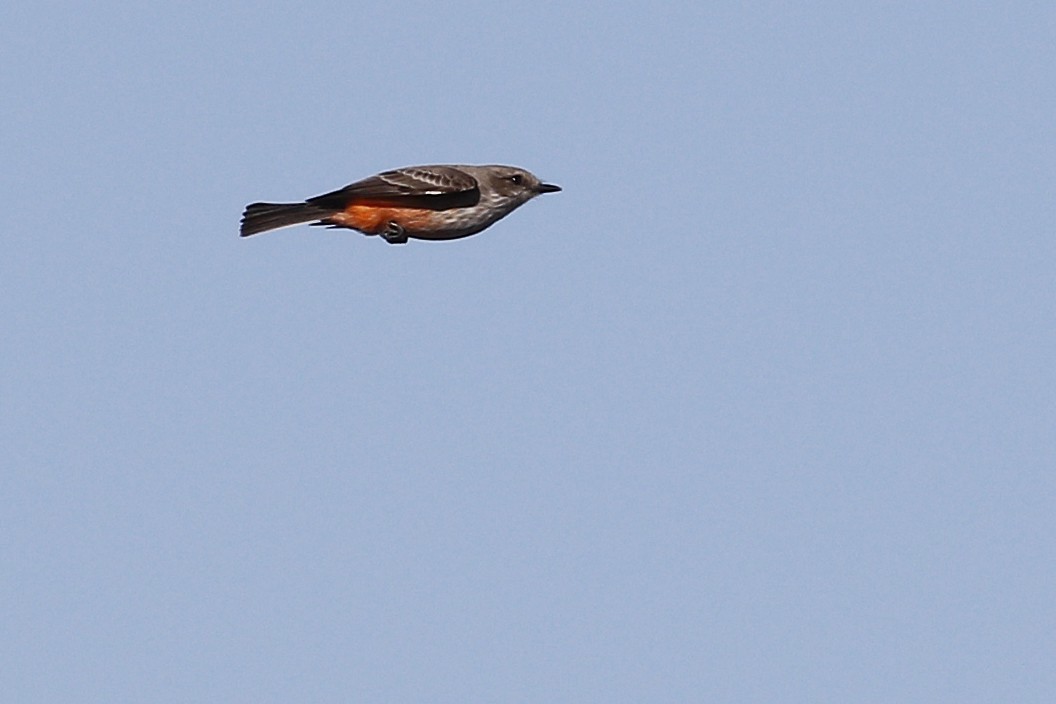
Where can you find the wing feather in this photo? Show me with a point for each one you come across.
(437, 187)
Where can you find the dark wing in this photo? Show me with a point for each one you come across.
(436, 187)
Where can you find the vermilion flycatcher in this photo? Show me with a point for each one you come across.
(420, 202)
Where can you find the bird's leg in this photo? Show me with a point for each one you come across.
(394, 233)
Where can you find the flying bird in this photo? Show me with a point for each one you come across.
(416, 202)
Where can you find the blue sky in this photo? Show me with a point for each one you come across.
(761, 407)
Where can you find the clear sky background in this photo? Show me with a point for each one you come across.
(760, 408)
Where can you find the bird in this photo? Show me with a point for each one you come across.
(437, 202)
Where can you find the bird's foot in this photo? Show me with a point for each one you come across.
(394, 233)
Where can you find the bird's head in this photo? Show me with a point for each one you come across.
(513, 183)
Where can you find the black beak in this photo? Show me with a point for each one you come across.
(547, 188)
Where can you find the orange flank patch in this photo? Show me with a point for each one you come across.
(373, 219)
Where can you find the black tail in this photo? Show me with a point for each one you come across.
(261, 217)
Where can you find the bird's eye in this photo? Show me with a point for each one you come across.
(516, 178)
